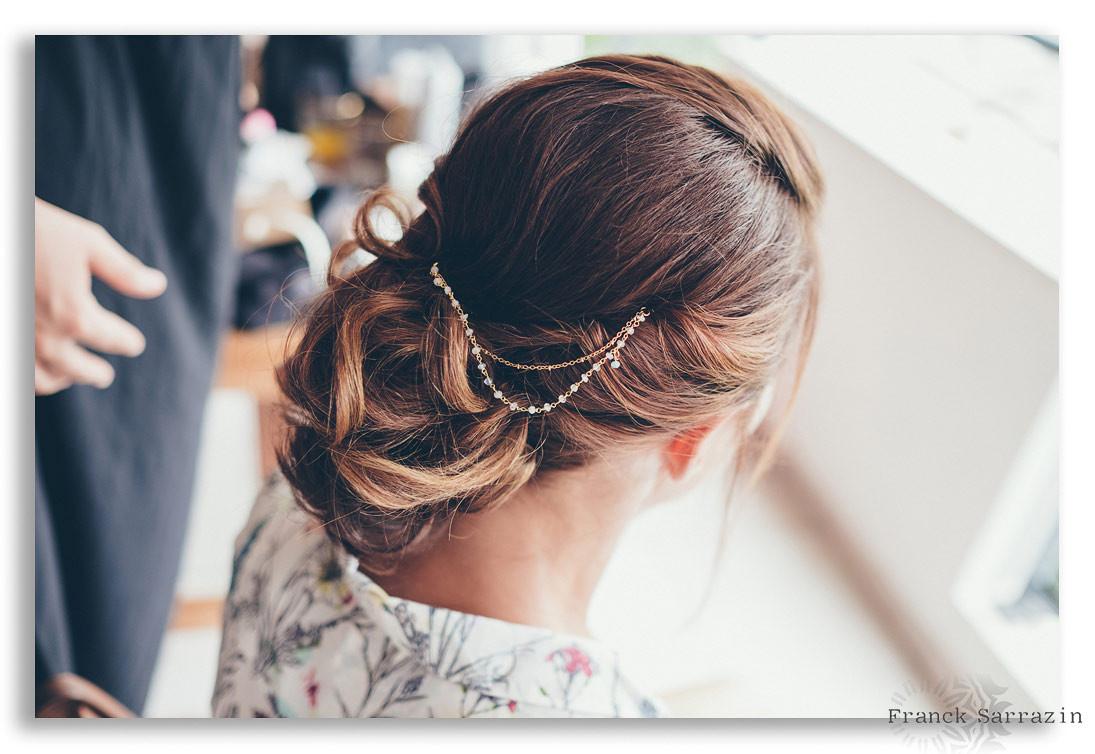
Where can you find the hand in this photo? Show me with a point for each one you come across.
(68, 250)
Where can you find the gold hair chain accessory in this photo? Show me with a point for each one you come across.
(608, 353)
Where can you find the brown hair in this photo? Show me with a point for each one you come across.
(568, 201)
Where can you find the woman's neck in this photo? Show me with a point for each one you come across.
(537, 558)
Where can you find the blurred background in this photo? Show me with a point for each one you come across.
(907, 534)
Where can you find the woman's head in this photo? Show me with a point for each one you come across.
(568, 201)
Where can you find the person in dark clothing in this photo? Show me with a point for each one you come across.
(136, 141)
(295, 67)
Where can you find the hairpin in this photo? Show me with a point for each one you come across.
(609, 354)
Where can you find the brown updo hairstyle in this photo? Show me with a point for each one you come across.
(568, 201)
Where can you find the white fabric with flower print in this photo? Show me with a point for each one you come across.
(306, 634)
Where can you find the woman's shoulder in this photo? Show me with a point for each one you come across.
(275, 528)
(275, 504)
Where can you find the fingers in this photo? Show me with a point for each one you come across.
(68, 251)
(122, 271)
(107, 332)
(65, 360)
(47, 382)
(60, 361)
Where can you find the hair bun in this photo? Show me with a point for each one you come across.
(385, 425)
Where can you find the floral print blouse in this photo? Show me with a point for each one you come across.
(306, 634)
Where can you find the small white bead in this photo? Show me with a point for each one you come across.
(596, 367)
(585, 378)
(464, 317)
(573, 388)
(497, 393)
(546, 408)
(482, 367)
(621, 344)
(512, 406)
(562, 399)
(615, 364)
(488, 381)
(433, 269)
(532, 409)
(468, 332)
(476, 350)
(438, 282)
(631, 331)
(448, 289)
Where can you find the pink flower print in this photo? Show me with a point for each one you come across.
(574, 660)
(311, 688)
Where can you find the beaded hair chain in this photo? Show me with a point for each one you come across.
(608, 353)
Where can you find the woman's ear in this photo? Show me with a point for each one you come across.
(681, 451)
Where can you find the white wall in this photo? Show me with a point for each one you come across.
(934, 350)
